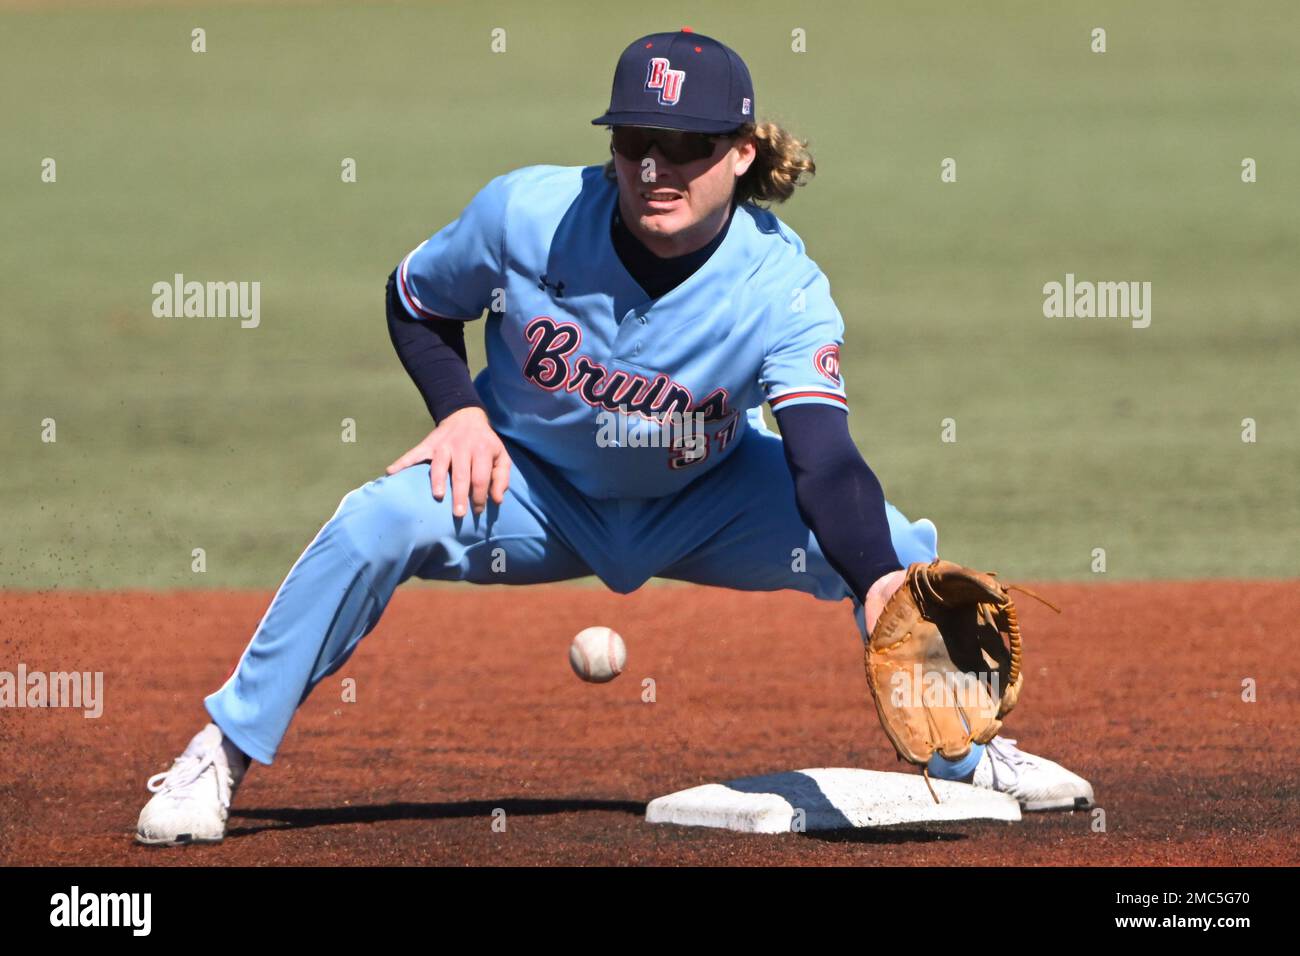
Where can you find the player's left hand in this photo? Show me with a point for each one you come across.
(953, 628)
(879, 594)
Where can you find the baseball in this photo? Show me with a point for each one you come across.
(597, 654)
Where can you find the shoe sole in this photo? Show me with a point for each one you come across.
(1069, 803)
(181, 839)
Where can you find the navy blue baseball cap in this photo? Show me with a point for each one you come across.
(681, 80)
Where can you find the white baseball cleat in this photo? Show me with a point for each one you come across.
(192, 800)
(1038, 783)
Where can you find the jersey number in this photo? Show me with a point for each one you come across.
(695, 448)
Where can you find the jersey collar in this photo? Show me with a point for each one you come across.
(700, 278)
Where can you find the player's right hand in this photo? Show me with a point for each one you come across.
(464, 444)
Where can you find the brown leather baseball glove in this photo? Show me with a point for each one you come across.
(943, 660)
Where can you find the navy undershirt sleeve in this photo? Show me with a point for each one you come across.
(838, 496)
(433, 353)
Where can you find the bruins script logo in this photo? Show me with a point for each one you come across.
(552, 365)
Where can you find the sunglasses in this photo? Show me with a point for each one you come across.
(677, 146)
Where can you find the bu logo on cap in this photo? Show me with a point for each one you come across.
(667, 81)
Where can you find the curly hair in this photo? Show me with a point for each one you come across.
(780, 165)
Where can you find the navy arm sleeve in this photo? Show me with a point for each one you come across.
(838, 496)
(433, 353)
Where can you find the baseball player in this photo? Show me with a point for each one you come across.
(638, 315)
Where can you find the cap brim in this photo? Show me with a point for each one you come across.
(689, 124)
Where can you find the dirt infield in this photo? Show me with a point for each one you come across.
(465, 704)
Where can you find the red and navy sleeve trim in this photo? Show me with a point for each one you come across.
(411, 302)
(804, 396)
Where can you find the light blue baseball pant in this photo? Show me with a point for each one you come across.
(737, 526)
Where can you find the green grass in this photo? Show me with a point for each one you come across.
(1072, 435)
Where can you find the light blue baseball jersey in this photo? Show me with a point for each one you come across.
(570, 337)
(590, 374)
